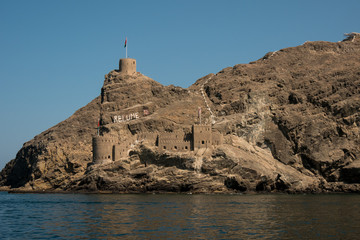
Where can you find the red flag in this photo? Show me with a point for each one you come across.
(125, 42)
(99, 123)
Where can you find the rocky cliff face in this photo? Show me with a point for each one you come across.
(290, 122)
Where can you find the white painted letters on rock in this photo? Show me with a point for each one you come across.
(123, 118)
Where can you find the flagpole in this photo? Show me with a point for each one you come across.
(125, 46)
(98, 128)
(199, 114)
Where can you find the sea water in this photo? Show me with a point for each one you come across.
(179, 216)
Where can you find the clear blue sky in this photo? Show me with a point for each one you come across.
(54, 54)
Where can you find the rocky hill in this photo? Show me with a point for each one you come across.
(290, 122)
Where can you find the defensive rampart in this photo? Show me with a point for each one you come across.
(107, 148)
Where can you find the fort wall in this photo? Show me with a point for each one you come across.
(108, 148)
(122, 150)
(174, 141)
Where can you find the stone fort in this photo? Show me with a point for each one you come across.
(109, 148)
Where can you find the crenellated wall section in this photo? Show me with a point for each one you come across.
(174, 141)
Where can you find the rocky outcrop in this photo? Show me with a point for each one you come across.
(55, 156)
(290, 123)
(238, 167)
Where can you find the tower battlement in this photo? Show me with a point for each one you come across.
(202, 136)
(127, 66)
(103, 150)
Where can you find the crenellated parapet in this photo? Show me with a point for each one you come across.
(174, 141)
(202, 136)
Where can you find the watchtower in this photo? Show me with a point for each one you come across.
(103, 149)
(127, 66)
(202, 136)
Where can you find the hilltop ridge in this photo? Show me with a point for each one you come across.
(290, 122)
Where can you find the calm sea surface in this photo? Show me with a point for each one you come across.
(176, 216)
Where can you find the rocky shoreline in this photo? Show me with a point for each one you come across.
(329, 189)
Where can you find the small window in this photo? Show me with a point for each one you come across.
(109, 157)
(164, 147)
(175, 147)
(186, 147)
(203, 142)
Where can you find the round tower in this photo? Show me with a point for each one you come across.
(127, 66)
(103, 149)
